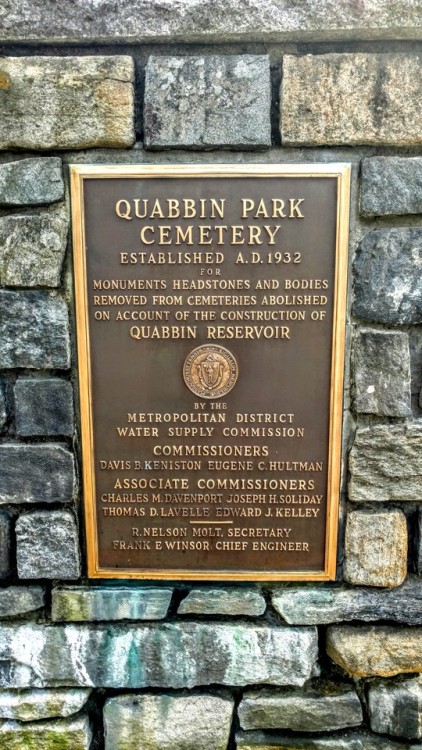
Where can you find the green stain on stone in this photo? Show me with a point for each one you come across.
(49, 739)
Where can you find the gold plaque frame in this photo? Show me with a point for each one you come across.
(80, 173)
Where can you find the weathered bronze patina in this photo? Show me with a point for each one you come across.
(210, 307)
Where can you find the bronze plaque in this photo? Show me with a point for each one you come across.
(210, 308)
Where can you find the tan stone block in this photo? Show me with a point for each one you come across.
(376, 548)
(370, 651)
(351, 99)
(66, 102)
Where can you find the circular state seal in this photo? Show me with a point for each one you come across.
(210, 371)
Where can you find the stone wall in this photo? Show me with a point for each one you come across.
(210, 667)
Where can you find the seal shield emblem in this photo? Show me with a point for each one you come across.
(210, 371)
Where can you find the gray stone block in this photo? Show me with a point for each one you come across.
(5, 544)
(309, 710)
(391, 185)
(344, 741)
(351, 99)
(388, 281)
(321, 605)
(66, 102)
(72, 734)
(44, 407)
(166, 655)
(3, 408)
(376, 548)
(197, 21)
(208, 102)
(395, 708)
(219, 601)
(34, 331)
(35, 705)
(36, 474)
(382, 373)
(371, 650)
(385, 463)
(32, 248)
(168, 722)
(47, 545)
(419, 543)
(17, 600)
(78, 604)
(31, 182)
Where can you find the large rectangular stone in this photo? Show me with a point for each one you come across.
(382, 373)
(34, 331)
(173, 655)
(35, 705)
(370, 651)
(44, 406)
(18, 600)
(66, 102)
(387, 277)
(167, 722)
(81, 604)
(69, 734)
(309, 710)
(376, 547)
(32, 248)
(47, 545)
(31, 182)
(208, 102)
(320, 605)
(385, 463)
(36, 474)
(156, 21)
(351, 99)
(391, 185)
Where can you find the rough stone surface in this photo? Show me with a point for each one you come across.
(336, 707)
(385, 463)
(350, 99)
(207, 102)
(419, 544)
(196, 20)
(370, 651)
(395, 708)
(33, 705)
(16, 600)
(230, 601)
(66, 102)
(47, 545)
(170, 655)
(71, 734)
(78, 604)
(382, 373)
(167, 722)
(31, 182)
(391, 185)
(376, 548)
(388, 279)
(44, 407)
(34, 331)
(321, 605)
(36, 474)
(5, 544)
(3, 409)
(343, 741)
(32, 248)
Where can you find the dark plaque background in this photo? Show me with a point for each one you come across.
(276, 376)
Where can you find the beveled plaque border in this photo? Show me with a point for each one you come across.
(79, 173)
